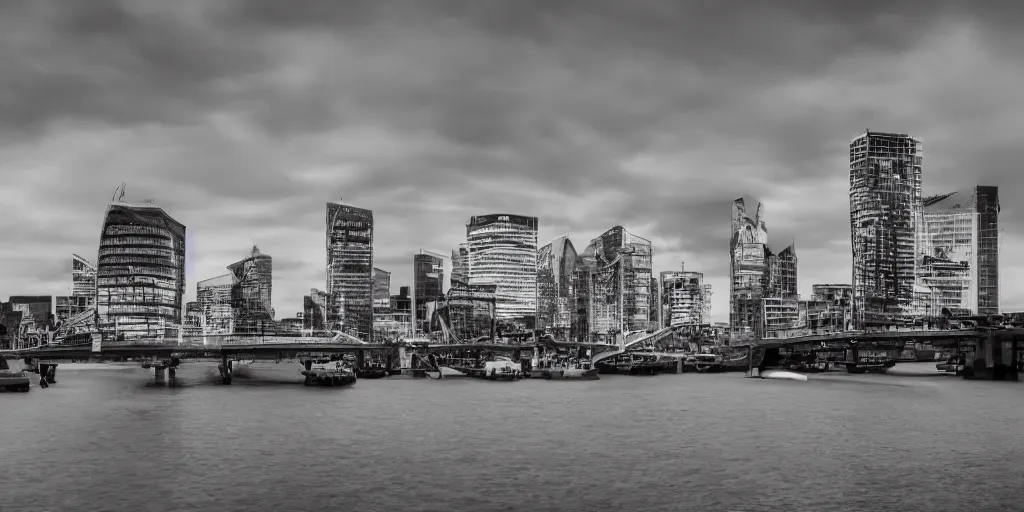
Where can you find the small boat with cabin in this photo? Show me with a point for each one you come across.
(328, 372)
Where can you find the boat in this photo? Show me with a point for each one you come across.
(783, 375)
(633, 363)
(327, 372)
(952, 364)
(11, 380)
(373, 371)
(561, 368)
(497, 368)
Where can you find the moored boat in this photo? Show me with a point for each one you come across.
(783, 375)
(325, 372)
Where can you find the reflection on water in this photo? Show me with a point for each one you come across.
(111, 440)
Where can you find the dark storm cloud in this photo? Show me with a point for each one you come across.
(588, 113)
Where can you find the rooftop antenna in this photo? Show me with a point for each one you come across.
(118, 193)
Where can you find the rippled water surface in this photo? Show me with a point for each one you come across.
(111, 440)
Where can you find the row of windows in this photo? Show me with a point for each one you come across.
(107, 252)
(158, 241)
(138, 260)
(136, 229)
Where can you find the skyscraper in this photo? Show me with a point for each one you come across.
(748, 267)
(251, 292)
(428, 286)
(619, 292)
(885, 206)
(556, 266)
(83, 279)
(140, 273)
(350, 269)
(502, 250)
(381, 291)
(958, 260)
(460, 265)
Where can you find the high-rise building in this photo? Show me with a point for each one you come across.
(350, 268)
(885, 206)
(83, 279)
(214, 305)
(958, 265)
(428, 286)
(316, 310)
(460, 264)
(556, 266)
(619, 297)
(251, 292)
(748, 265)
(502, 250)
(782, 271)
(140, 273)
(685, 299)
(381, 291)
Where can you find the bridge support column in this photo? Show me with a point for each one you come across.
(171, 373)
(535, 360)
(158, 374)
(360, 358)
(225, 373)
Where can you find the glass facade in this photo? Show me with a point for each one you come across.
(502, 250)
(350, 269)
(958, 253)
(251, 292)
(885, 208)
(214, 305)
(617, 267)
(428, 286)
(556, 270)
(83, 279)
(140, 273)
(381, 291)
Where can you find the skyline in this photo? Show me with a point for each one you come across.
(591, 127)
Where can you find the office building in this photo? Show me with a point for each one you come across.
(885, 207)
(556, 267)
(502, 250)
(428, 287)
(216, 312)
(251, 292)
(748, 268)
(618, 277)
(350, 268)
(381, 291)
(958, 260)
(140, 273)
(685, 299)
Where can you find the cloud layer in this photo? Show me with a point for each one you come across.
(242, 119)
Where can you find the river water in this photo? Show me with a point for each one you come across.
(104, 440)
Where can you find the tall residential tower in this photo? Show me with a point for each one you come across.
(885, 207)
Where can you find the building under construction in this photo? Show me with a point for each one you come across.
(685, 299)
(958, 253)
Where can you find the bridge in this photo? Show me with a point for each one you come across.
(992, 353)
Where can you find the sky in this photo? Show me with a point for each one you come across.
(242, 119)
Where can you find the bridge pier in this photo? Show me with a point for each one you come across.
(225, 372)
(535, 359)
(360, 358)
(158, 374)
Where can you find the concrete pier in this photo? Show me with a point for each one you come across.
(159, 374)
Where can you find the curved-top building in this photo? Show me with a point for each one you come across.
(556, 267)
(140, 273)
(502, 250)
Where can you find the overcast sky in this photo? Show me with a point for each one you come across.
(242, 119)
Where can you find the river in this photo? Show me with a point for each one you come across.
(105, 440)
